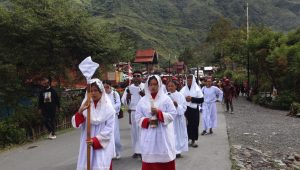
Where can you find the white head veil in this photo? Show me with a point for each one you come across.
(160, 96)
(104, 109)
(147, 90)
(194, 84)
(191, 91)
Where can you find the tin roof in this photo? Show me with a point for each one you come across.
(146, 56)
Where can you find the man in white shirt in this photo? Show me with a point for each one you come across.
(132, 95)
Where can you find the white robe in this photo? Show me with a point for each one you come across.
(102, 127)
(181, 136)
(157, 144)
(116, 102)
(134, 128)
(209, 109)
(164, 88)
(135, 96)
(104, 131)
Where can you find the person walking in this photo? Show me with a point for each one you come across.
(181, 137)
(48, 105)
(115, 100)
(154, 115)
(194, 97)
(102, 118)
(131, 96)
(229, 93)
(212, 94)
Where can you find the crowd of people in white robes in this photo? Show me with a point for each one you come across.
(164, 122)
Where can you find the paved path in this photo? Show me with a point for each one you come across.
(61, 154)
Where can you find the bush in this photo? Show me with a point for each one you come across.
(25, 120)
(255, 99)
(294, 109)
(10, 133)
(71, 101)
(283, 100)
(264, 100)
(26, 116)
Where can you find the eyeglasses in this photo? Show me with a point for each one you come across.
(136, 75)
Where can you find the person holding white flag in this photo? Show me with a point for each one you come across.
(95, 118)
(102, 129)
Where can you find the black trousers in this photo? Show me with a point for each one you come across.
(49, 122)
(193, 117)
(228, 103)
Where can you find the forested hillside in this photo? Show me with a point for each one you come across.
(172, 25)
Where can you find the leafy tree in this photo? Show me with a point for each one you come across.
(261, 42)
(284, 63)
(49, 38)
(187, 55)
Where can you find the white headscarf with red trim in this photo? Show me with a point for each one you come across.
(160, 92)
(104, 109)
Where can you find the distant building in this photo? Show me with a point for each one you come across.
(149, 57)
(208, 71)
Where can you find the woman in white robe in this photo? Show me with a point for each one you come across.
(181, 137)
(154, 115)
(212, 95)
(115, 100)
(102, 129)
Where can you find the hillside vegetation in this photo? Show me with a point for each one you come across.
(171, 25)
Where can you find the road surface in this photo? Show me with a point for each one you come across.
(61, 153)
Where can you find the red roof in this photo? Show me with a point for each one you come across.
(144, 53)
(145, 56)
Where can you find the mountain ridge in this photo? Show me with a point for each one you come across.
(172, 25)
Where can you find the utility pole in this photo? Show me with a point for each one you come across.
(248, 55)
(169, 66)
(198, 74)
(247, 15)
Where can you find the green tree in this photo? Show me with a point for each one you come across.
(284, 62)
(187, 55)
(48, 38)
(261, 43)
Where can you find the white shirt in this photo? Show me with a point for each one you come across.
(135, 95)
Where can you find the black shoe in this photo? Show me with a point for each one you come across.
(140, 156)
(135, 155)
(210, 131)
(204, 132)
(178, 155)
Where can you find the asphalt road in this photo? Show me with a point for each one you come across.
(61, 153)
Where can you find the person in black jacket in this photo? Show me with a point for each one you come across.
(194, 97)
(48, 105)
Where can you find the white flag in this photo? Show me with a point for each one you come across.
(88, 68)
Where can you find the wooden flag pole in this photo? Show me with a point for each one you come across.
(88, 68)
(88, 129)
